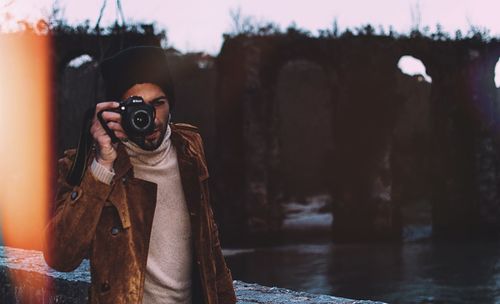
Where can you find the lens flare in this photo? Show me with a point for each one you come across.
(25, 136)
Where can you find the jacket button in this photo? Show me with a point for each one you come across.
(74, 195)
(124, 179)
(105, 286)
(115, 230)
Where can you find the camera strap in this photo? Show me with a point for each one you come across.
(104, 124)
(79, 166)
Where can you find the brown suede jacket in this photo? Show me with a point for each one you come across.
(111, 225)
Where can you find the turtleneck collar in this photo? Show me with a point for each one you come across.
(150, 158)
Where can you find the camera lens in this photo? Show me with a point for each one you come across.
(141, 120)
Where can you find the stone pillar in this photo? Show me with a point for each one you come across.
(246, 143)
(364, 118)
(259, 141)
(228, 174)
(464, 159)
(483, 96)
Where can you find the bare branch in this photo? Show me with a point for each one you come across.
(416, 16)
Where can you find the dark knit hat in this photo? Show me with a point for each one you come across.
(139, 64)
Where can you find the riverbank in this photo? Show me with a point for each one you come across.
(72, 287)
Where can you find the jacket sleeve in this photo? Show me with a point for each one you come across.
(70, 231)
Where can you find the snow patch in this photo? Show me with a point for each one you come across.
(314, 213)
(79, 61)
(233, 252)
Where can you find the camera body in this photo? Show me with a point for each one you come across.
(137, 118)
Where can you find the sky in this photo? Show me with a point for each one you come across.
(198, 25)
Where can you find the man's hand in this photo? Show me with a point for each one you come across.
(106, 150)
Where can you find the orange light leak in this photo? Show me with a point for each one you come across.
(25, 144)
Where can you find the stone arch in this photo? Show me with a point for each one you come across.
(319, 62)
(247, 127)
(303, 98)
(304, 112)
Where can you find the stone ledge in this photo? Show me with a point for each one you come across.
(72, 287)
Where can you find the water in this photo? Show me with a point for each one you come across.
(412, 272)
(415, 271)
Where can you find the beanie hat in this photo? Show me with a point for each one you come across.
(139, 64)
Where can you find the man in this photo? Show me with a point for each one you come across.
(141, 212)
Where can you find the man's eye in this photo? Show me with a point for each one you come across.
(158, 103)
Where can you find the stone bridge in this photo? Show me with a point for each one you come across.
(241, 112)
(365, 102)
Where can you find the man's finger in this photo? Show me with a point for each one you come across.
(115, 126)
(106, 105)
(104, 141)
(120, 135)
(111, 116)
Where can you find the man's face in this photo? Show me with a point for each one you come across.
(153, 95)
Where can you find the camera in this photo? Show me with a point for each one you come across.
(137, 116)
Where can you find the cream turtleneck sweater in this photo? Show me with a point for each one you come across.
(168, 269)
